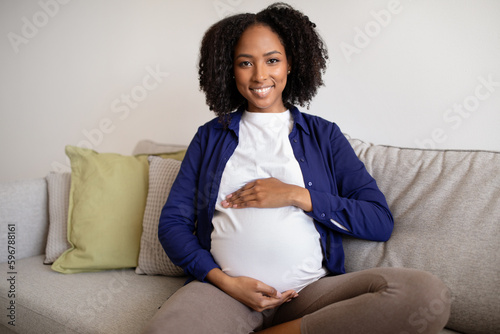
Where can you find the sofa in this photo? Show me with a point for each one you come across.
(75, 261)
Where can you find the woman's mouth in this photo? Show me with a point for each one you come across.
(261, 92)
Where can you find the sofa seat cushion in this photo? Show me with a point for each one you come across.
(107, 302)
(446, 208)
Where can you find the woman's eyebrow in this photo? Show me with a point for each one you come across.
(271, 53)
(245, 55)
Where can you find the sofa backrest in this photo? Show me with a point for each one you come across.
(446, 207)
(23, 208)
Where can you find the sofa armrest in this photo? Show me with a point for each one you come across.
(23, 208)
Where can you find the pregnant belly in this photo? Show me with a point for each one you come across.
(279, 247)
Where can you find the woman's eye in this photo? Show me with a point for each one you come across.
(273, 61)
(245, 64)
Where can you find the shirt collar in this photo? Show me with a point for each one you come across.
(298, 119)
(234, 125)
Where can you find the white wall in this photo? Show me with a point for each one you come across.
(405, 73)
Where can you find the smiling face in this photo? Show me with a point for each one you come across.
(260, 69)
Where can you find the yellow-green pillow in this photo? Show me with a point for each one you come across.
(106, 207)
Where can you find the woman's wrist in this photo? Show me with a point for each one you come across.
(218, 278)
(301, 198)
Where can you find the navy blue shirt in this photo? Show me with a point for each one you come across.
(345, 198)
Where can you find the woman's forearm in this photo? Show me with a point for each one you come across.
(301, 198)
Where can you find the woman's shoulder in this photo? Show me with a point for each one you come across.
(210, 126)
(314, 122)
(219, 123)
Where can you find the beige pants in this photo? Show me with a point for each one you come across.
(379, 300)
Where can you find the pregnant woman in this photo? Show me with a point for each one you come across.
(264, 195)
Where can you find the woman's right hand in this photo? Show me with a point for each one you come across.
(249, 291)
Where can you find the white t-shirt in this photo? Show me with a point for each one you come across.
(278, 246)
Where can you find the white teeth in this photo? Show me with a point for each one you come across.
(262, 90)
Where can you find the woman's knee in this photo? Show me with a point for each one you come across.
(203, 308)
(429, 301)
(411, 301)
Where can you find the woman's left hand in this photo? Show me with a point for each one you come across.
(268, 193)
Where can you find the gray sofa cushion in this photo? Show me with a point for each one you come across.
(106, 302)
(446, 206)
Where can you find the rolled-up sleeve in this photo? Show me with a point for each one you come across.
(354, 205)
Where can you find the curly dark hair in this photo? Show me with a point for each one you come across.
(303, 46)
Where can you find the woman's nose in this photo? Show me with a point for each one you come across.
(259, 73)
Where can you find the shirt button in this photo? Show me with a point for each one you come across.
(302, 160)
(323, 215)
(295, 140)
(309, 183)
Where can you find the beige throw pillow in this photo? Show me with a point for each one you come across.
(152, 257)
(58, 185)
